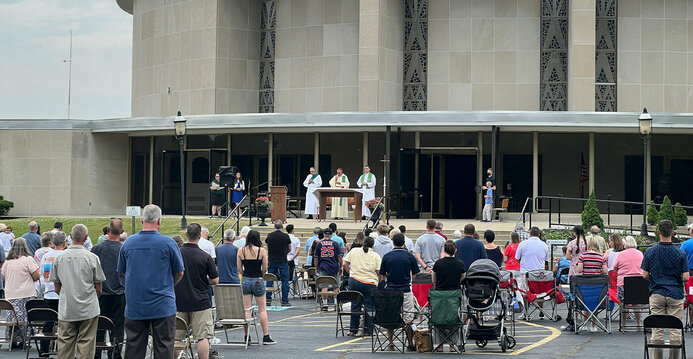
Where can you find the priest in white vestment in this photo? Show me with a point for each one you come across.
(340, 205)
(367, 183)
(311, 183)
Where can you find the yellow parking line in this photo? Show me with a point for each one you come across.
(338, 344)
(555, 333)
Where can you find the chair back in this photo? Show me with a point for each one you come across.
(662, 321)
(181, 324)
(229, 301)
(540, 281)
(39, 316)
(613, 278)
(445, 307)
(311, 272)
(270, 277)
(591, 290)
(349, 296)
(326, 280)
(636, 291)
(561, 273)
(38, 303)
(387, 304)
(5, 305)
(105, 324)
(504, 204)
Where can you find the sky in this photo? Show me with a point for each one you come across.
(34, 42)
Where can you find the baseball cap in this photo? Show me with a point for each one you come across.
(327, 231)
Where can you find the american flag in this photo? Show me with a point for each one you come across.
(584, 175)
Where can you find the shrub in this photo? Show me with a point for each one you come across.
(652, 214)
(680, 216)
(590, 215)
(666, 211)
(5, 206)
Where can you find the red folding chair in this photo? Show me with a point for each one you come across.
(542, 292)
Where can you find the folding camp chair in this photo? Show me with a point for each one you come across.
(445, 319)
(663, 321)
(11, 325)
(388, 318)
(36, 318)
(636, 299)
(591, 294)
(271, 279)
(106, 325)
(231, 312)
(613, 294)
(183, 340)
(541, 292)
(350, 296)
(332, 290)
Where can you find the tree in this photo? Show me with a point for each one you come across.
(652, 214)
(5, 206)
(590, 214)
(666, 211)
(680, 215)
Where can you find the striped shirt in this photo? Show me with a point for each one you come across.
(592, 262)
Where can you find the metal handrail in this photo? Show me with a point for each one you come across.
(521, 217)
(380, 215)
(238, 205)
(233, 224)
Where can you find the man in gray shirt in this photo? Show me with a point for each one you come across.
(428, 247)
(78, 306)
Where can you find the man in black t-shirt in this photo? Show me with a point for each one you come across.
(278, 246)
(192, 301)
(448, 271)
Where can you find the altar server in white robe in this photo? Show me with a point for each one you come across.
(340, 205)
(367, 183)
(311, 183)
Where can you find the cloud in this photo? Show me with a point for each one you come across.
(36, 41)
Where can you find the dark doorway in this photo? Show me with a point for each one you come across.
(517, 181)
(460, 183)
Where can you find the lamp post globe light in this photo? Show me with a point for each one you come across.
(645, 128)
(179, 125)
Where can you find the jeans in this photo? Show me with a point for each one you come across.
(281, 270)
(366, 290)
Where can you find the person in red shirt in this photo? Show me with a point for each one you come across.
(509, 255)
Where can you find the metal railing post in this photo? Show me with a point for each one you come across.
(550, 201)
(559, 212)
(608, 210)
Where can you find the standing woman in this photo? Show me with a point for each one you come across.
(574, 248)
(251, 262)
(509, 259)
(363, 265)
(238, 188)
(616, 246)
(19, 273)
(217, 196)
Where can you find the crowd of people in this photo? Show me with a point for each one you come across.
(82, 282)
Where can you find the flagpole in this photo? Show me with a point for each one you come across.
(69, 76)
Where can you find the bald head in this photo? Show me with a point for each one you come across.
(594, 230)
(33, 226)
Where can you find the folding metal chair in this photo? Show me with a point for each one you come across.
(231, 312)
(11, 325)
(636, 299)
(311, 276)
(350, 296)
(591, 294)
(325, 281)
(270, 279)
(541, 291)
(388, 324)
(445, 319)
(36, 318)
(106, 325)
(663, 321)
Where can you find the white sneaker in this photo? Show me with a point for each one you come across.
(215, 340)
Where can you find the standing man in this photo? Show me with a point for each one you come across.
(532, 254)
(428, 247)
(149, 281)
(489, 178)
(666, 268)
(488, 202)
(278, 247)
(383, 243)
(439, 230)
(112, 299)
(77, 275)
(329, 260)
(309, 244)
(407, 241)
(207, 245)
(217, 198)
(687, 247)
(226, 259)
(312, 182)
(340, 205)
(192, 302)
(594, 233)
(468, 248)
(367, 183)
(292, 256)
(33, 240)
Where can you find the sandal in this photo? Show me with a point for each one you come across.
(351, 334)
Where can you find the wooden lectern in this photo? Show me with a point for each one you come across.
(278, 198)
(324, 193)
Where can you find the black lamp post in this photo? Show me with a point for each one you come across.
(645, 127)
(179, 124)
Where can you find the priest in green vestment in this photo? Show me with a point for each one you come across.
(340, 205)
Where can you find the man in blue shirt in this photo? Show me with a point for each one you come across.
(666, 267)
(309, 243)
(33, 240)
(152, 265)
(468, 248)
(226, 259)
(488, 202)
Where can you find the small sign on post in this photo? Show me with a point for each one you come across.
(555, 242)
(133, 211)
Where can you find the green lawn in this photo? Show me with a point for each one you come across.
(169, 226)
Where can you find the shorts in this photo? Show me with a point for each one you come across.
(325, 274)
(409, 307)
(254, 286)
(200, 322)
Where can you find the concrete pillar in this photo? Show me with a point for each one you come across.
(228, 149)
(151, 169)
(480, 173)
(591, 163)
(535, 168)
(417, 145)
(581, 55)
(365, 149)
(270, 159)
(316, 151)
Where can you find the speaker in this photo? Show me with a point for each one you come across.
(227, 175)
